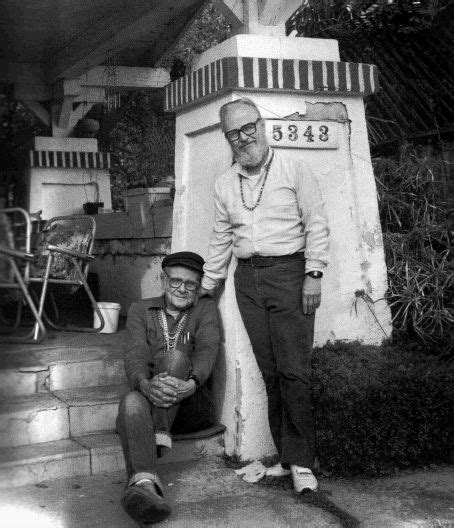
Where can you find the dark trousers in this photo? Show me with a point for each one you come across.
(269, 299)
(137, 429)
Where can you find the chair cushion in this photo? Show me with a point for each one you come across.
(77, 239)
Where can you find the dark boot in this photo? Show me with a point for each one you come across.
(144, 502)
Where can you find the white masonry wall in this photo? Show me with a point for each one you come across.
(357, 259)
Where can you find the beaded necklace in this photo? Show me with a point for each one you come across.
(171, 337)
(267, 170)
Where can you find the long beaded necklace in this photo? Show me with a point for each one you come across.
(171, 337)
(267, 170)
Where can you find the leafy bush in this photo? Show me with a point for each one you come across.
(416, 234)
(379, 409)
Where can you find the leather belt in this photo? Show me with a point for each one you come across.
(258, 261)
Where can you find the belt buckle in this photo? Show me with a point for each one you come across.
(261, 262)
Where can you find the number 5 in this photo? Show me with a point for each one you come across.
(277, 132)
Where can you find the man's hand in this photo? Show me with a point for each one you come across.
(203, 291)
(185, 388)
(161, 390)
(312, 293)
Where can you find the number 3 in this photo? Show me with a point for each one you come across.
(293, 132)
(324, 133)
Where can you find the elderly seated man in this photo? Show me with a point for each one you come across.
(173, 347)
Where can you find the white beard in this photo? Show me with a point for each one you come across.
(251, 158)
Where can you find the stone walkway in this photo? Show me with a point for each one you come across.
(208, 494)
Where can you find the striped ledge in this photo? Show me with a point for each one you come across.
(272, 74)
(69, 160)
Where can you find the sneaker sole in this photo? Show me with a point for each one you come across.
(143, 507)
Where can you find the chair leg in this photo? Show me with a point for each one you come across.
(43, 291)
(72, 328)
(38, 333)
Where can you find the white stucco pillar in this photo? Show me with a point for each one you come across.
(314, 105)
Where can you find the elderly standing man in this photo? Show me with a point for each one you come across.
(173, 345)
(269, 213)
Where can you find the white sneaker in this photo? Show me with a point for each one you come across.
(277, 471)
(303, 479)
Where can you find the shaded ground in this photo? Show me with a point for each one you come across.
(208, 494)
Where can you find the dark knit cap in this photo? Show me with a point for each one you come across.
(186, 259)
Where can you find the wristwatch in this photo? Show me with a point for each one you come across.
(315, 274)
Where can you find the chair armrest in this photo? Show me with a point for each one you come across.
(15, 253)
(69, 252)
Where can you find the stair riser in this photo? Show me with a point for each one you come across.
(21, 475)
(15, 382)
(21, 383)
(32, 427)
(46, 425)
(92, 418)
(96, 460)
(86, 374)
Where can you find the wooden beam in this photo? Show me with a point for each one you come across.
(130, 78)
(38, 109)
(141, 19)
(275, 12)
(232, 11)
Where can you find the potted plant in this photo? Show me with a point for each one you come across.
(92, 208)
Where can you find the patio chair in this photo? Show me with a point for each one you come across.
(15, 257)
(60, 261)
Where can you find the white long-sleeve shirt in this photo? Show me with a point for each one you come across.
(290, 218)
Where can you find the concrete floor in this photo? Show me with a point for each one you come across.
(207, 494)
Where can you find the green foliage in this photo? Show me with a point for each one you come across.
(207, 30)
(416, 235)
(141, 141)
(381, 409)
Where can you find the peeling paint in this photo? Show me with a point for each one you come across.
(372, 238)
(335, 111)
(365, 266)
(239, 426)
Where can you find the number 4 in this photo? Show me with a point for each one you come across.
(309, 135)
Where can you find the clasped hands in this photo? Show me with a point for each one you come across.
(164, 391)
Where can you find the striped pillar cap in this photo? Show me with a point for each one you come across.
(69, 159)
(271, 74)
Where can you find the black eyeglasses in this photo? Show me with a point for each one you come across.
(248, 130)
(175, 283)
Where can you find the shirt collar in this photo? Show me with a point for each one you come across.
(241, 170)
(157, 302)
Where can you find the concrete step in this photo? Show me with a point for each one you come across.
(34, 463)
(70, 360)
(44, 417)
(93, 454)
(92, 409)
(33, 419)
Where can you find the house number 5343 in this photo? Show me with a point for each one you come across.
(292, 133)
(302, 134)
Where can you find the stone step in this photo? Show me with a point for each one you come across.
(93, 454)
(28, 371)
(34, 463)
(44, 417)
(33, 419)
(92, 409)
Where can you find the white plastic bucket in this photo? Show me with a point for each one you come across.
(111, 312)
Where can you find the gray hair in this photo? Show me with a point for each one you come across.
(243, 100)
